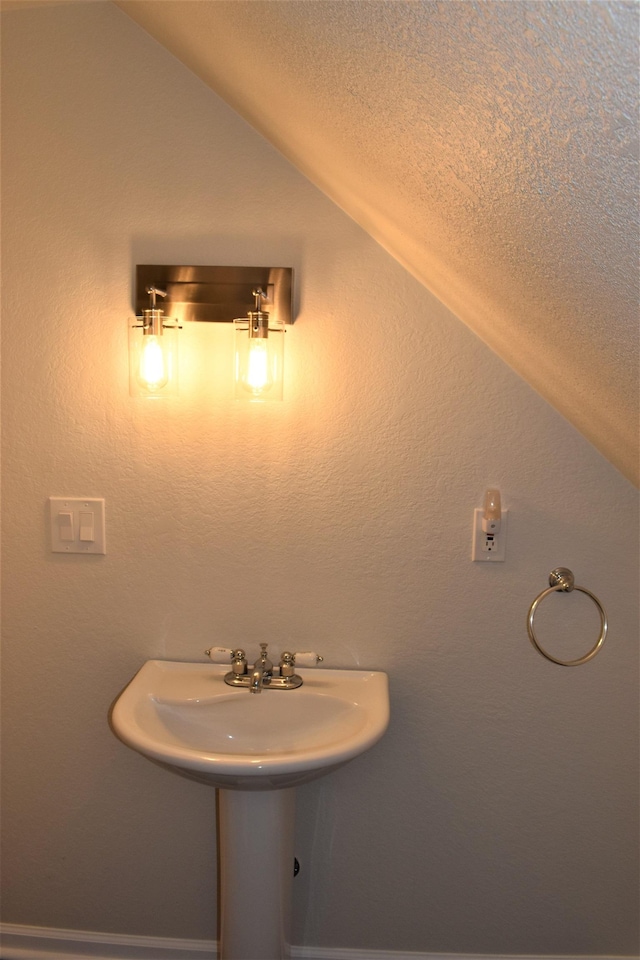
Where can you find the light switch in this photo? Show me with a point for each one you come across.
(77, 525)
(65, 525)
(86, 526)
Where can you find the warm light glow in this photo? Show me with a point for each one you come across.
(259, 363)
(258, 379)
(152, 371)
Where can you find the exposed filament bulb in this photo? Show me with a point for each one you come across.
(152, 371)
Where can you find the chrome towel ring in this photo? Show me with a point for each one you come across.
(561, 580)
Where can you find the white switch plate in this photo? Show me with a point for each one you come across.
(75, 506)
(489, 550)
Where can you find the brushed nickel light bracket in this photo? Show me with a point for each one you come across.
(257, 300)
(152, 319)
(217, 294)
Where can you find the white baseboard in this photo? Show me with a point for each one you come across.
(19, 942)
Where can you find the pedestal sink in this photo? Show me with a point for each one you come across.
(256, 750)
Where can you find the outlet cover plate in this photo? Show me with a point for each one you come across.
(75, 506)
(485, 551)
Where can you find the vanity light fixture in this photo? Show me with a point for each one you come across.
(212, 294)
(153, 351)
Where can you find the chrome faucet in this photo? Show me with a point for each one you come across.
(263, 674)
(262, 670)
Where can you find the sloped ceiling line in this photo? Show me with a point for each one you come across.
(491, 148)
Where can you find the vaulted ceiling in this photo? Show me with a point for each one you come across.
(491, 147)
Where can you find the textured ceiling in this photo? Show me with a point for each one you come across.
(490, 147)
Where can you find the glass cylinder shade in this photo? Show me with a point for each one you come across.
(259, 361)
(153, 360)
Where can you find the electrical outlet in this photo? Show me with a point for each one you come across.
(489, 547)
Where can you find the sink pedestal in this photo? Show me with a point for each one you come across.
(255, 845)
(252, 749)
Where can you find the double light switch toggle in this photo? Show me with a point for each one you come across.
(77, 525)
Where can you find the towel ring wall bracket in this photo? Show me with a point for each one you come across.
(561, 580)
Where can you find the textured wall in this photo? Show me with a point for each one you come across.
(499, 814)
(490, 147)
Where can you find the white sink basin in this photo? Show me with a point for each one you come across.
(184, 716)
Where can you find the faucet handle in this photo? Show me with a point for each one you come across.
(238, 662)
(287, 664)
(220, 654)
(303, 658)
